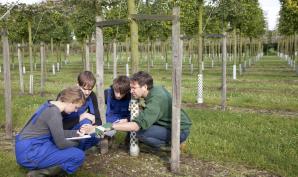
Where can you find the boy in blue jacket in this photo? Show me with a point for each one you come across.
(117, 99)
(88, 113)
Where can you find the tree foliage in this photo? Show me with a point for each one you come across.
(288, 21)
(75, 17)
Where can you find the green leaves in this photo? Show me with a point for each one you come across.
(288, 21)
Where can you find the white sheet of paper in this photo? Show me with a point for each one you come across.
(79, 137)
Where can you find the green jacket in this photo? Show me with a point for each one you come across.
(158, 110)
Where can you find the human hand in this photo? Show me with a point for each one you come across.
(89, 116)
(81, 132)
(87, 128)
(100, 130)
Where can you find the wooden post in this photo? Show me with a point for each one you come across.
(20, 70)
(176, 102)
(100, 80)
(7, 83)
(42, 67)
(224, 73)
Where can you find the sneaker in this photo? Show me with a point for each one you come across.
(165, 148)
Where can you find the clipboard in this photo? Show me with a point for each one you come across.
(79, 137)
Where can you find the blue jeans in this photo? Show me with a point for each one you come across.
(157, 136)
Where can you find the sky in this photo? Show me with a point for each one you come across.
(20, 1)
(270, 7)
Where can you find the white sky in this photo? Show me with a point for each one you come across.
(20, 1)
(270, 7)
(271, 11)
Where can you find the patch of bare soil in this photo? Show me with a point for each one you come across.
(118, 163)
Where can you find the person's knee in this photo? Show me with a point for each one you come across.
(79, 155)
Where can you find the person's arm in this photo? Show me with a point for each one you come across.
(151, 113)
(126, 126)
(96, 110)
(120, 126)
(54, 123)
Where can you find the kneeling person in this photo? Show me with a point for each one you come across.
(41, 146)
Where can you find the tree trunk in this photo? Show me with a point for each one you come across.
(42, 68)
(30, 47)
(87, 56)
(234, 54)
(224, 73)
(114, 59)
(134, 37)
(200, 55)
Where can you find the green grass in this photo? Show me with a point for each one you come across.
(256, 140)
(266, 142)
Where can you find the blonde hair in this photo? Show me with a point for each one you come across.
(72, 95)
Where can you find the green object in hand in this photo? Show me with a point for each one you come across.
(107, 126)
(99, 131)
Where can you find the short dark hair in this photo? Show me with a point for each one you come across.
(142, 78)
(86, 79)
(121, 84)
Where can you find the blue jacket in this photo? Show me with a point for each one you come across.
(91, 106)
(116, 109)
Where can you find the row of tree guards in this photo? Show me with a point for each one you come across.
(151, 53)
(287, 49)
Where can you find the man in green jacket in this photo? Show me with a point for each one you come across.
(153, 124)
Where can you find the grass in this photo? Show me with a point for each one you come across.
(266, 142)
(253, 139)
